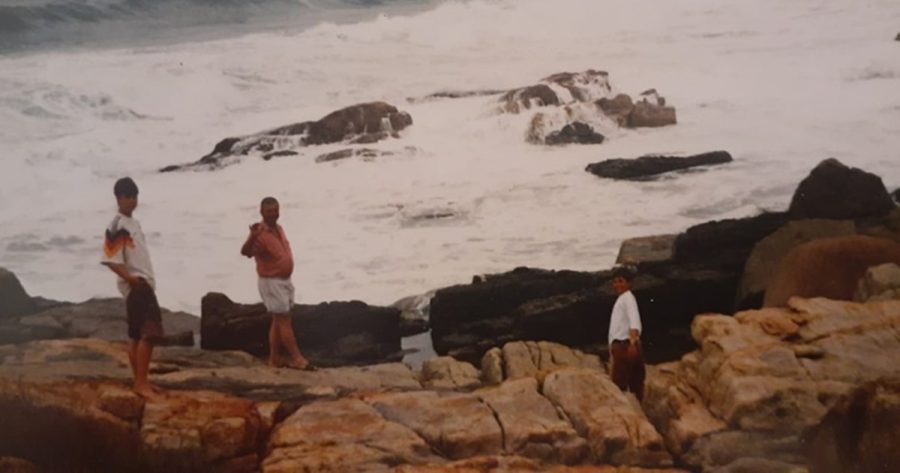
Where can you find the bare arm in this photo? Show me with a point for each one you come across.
(634, 321)
(248, 249)
(634, 335)
(123, 273)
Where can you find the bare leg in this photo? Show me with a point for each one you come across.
(289, 341)
(132, 356)
(274, 358)
(143, 353)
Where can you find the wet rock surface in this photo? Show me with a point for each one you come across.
(580, 107)
(359, 124)
(575, 133)
(651, 165)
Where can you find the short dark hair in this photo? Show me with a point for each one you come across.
(625, 272)
(125, 187)
(268, 201)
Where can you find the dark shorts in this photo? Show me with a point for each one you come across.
(628, 366)
(144, 318)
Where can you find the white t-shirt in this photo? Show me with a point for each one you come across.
(625, 316)
(124, 243)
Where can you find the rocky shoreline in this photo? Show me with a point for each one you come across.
(737, 383)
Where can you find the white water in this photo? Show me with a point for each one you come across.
(780, 85)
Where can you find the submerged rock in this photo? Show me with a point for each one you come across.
(651, 165)
(361, 123)
(574, 133)
(365, 153)
(651, 111)
(540, 95)
(574, 106)
(454, 94)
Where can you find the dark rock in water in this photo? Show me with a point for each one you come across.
(651, 111)
(455, 94)
(574, 133)
(336, 155)
(581, 84)
(361, 123)
(582, 87)
(14, 301)
(351, 152)
(618, 108)
(647, 115)
(859, 434)
(653, 165)
(369, 138)
(540, 95)
(897, 38)
(329, 334)
(833, 190)
(278, 154)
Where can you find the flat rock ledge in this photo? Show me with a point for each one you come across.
(762, 386)
(66, 404)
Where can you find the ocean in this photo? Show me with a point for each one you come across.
(93, 90)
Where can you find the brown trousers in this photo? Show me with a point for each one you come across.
(628, 367)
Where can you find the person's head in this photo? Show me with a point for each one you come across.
(622, 278)
(126, 192)
(268, 208)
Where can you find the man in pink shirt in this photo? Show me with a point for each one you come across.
(268, 244)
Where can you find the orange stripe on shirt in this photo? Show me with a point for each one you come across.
(115, 242)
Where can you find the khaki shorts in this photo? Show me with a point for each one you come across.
(277, 294)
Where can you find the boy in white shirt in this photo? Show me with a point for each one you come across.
(625, 336)
(125, 253)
